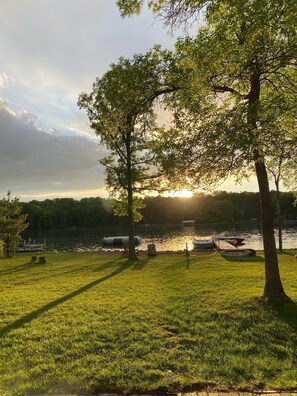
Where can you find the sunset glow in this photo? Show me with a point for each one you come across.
(182, 194)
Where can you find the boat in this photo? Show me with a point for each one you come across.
(203, 243)
(188, 223)
(237, 252)
(119, 241)
(234, 240)
(24, 246)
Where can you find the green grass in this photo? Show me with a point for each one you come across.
(89, 322)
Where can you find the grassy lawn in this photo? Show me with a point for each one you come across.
(93, 322)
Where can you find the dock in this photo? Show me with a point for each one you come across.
(24, 246)
(227, 249)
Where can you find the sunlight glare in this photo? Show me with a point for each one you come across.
(182, 194)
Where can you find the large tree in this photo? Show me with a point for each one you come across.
(121, 110)
(238, 79)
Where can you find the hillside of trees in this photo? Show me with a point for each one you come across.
(219, 207)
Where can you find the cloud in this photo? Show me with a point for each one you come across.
(6, 80)
(51, 51)
(44, 161)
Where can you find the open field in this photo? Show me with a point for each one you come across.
(94, 322)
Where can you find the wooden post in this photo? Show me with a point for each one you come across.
(187, 256)
(42, 260)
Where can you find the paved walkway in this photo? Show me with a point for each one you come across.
(267, 393)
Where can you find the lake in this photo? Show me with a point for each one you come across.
(166, 237)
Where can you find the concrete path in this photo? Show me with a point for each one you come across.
(267, 393)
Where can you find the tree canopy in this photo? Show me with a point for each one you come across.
(121, 110)
(236, 105)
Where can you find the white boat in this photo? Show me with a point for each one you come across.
(188, 223)
(232, 239)
(237, 252)
(203, 243)
(119, 241)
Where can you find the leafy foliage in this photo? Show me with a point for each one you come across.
(12, 223)
(220, 206)
(121, 110)
(218, 129)
(237, 101)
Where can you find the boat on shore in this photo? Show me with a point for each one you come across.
(237, 252)
(119, 241)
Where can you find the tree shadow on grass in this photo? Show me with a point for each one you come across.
(186, 261)
(109, 264)
(137, 264)
(36, 313)
(20, 268)
(141, 263)
(252, 259)
(286, 311)
(283, 310)
(287, 252)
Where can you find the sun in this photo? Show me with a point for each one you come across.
(182, 193)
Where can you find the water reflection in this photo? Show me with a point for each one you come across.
(165, 237)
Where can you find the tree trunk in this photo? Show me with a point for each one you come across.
(279, 217)
(273, 285)
(132, 253)
(7, 245)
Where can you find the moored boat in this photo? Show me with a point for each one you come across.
(234, 240)
(203, 243)
(188, 223)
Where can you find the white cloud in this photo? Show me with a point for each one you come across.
(32, 159)
(51, 51)
(5, 80)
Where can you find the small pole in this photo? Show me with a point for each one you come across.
(187, 255)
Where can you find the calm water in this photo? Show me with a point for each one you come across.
(165, 237)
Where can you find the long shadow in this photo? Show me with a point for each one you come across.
(20, 268)
(35, 314)
(193, 257)
(137, 264)
(141, 263)
(59, 273)
(30, 265)
(107, 265)
(255, 259)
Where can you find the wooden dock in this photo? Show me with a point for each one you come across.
(222, 244)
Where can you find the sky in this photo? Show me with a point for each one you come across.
(51, 51)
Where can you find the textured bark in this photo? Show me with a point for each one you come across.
(273, 285)
(279, 217)
(132, 253)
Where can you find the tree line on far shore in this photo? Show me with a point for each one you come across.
(219, 207)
